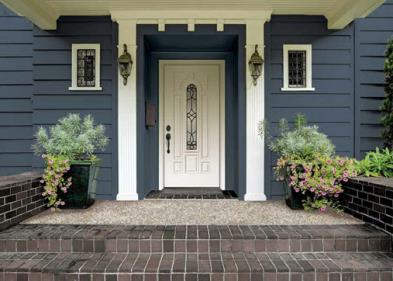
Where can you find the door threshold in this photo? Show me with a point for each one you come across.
(191, 193)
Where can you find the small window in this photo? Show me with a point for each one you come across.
(85, 67)
(297, 68)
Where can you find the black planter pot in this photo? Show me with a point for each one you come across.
(293, 199)
(81, 193)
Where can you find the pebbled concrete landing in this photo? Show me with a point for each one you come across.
(191, 212)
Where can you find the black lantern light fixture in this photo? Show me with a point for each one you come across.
(125, 64)
(255, 64)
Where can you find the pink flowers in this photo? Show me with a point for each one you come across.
(56, 167)
(319, 179)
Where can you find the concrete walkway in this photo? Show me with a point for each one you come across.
(190, 212)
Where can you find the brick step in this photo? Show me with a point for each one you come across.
(193, 239)
(196, 267)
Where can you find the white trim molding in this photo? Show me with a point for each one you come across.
(255, 112)
(191, 17)
(127, 123)
(74, 67)
(306, 48)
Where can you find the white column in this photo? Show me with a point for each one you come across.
(127, 109)
(255, 163)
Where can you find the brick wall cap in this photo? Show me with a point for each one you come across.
(378, 181)
(6, 181)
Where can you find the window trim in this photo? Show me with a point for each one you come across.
(308, 49)
(74, 67)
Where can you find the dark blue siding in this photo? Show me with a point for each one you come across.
(372, 34)
(16, 87)
(52, 77)
(331, 106)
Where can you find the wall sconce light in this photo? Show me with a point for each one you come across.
(255, 64)
(125, 64)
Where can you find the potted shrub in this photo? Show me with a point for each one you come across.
(306, 163)
(71, 165)
(316, 183)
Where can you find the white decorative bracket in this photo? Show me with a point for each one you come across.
(161, 25)
(191, 25)
(220, 25)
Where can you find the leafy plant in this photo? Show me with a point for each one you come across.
(387, 107)
(319, 179)
(302, 142)
(54, 181)
(72, 137)
(377, 163)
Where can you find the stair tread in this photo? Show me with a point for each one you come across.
(195, 263)
(170, 232)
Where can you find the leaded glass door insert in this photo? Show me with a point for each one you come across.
(192, 114)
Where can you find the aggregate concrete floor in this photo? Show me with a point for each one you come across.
(191, 212)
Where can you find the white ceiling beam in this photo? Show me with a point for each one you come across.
(347, 10)
(37, 11)
(171, 15)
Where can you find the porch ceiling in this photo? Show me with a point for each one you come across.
(339, 13)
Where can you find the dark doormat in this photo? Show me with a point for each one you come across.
(191, 193)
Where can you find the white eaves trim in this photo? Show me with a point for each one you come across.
(347, 10)
(44, 13)
(37, 11)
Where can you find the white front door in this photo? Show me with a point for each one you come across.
(191, 131)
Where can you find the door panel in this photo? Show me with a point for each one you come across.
(191, 94)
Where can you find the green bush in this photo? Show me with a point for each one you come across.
(72, 137)
(302, 142)
(377, 164)
(387, 108)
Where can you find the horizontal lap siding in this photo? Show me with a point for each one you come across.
(372, 35)
(16, 87)
(331, 106)
(52, 77)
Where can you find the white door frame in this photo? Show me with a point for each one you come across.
(161, 125)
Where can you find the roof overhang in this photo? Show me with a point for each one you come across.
(339, 13)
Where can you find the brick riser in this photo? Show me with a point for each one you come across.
(195, 246)
(194, 267)
(261, 276)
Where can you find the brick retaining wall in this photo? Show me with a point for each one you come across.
(371, 200)
(20, 198)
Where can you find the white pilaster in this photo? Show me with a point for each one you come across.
(255, 103)
(127, 109)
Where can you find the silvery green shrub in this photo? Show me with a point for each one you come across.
(73, 137)
(302, 142)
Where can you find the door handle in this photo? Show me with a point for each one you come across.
(168, 142)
